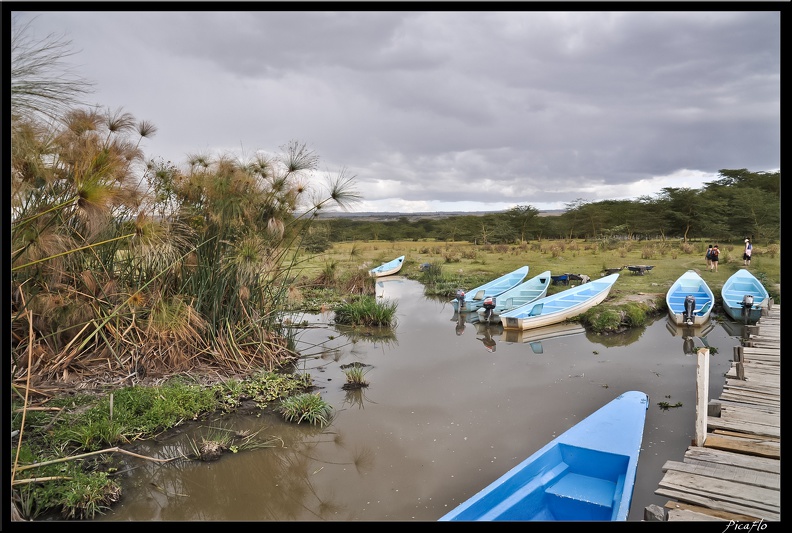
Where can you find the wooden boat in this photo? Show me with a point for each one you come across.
(524, 293)
(473, 299)
(690, 300)
(387, 269)
(744, 297)
(586, 473)
(560, 306)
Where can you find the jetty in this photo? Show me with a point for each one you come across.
(732, 470)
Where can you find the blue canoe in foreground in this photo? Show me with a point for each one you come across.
(387, 269)
(744, 297)
(586, 473)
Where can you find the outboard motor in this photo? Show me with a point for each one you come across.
(489, 305)
(460, 297)
(690, 305)
(747, 303)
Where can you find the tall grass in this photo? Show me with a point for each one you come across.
(367, 311)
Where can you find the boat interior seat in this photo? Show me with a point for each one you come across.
(479, 295)
(537, 310)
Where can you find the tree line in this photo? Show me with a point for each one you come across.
(738, 204)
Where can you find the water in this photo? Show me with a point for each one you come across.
(451, 405)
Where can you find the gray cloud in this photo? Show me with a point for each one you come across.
(446, 110)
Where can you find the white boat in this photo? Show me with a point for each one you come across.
(690, 300)
(387, 269)
(474, 299)
(524, 293)
(560, 306)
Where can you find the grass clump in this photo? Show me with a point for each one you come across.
(367, 311)
(306, 407)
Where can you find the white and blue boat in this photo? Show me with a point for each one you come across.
(474, 299)
(560, 306)
(690, 300)
(744, 297)
(585, 474)
(524, 293)
(387, 269)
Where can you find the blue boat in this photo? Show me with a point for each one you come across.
(744, 297)
(586, 473)
(690, 300)
(387, 269)
(524, 293)
(560, 306)
(474, 299)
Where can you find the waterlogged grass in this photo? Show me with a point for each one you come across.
(306, 407)
(68, 454)
(367, 311)
(615, 318)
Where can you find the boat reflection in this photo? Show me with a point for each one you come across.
(735, 329)
(690, 334)
(485, 332)
(534, 337)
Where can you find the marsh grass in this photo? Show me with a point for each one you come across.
(306, 407)
(367, 311)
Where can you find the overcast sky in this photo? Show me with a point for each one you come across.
(450, 111)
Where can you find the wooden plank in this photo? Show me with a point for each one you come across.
(761, 449)
(746, 437)
(755, 514)
(681, 506)
(727, 472)
(730, 458)
(744, 427)
(723, 489)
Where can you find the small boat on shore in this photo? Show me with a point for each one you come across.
(587, 473)
(387, 269)
(474, 299)
(690, 300)
(524, 293)
(560, 306)
(744, 297)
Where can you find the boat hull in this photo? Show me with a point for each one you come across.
(586, 473)
(524, 293)
(387, 269)
(687, 285)
(474, 299)
(739, 285)
(560, 306)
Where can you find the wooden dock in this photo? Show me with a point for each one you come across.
(736, 473)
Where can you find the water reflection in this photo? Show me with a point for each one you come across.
(693, 337)
(442, 417)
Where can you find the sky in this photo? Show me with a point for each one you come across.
(437, 111)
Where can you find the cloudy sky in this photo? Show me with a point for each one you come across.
(450, 111)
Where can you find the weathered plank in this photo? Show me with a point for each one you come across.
(760, 498)
(727, 472)
(750, 447)
(681, 506)
(741, 460)
(729, 507)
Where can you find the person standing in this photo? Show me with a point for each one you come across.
(714, 258)
(747, 252)
(708, 257)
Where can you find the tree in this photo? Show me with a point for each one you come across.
(522, 217)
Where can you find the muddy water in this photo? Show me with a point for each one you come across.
(451, 405)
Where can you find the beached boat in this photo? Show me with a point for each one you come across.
(690, 300)
(387, 269)
(474, 299)
(586, 473)
(560, 306)
(524, 293)
(744, 297)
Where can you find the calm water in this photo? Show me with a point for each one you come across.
(451, 406)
